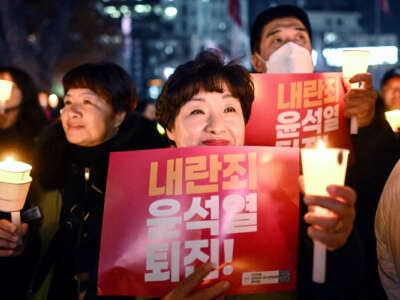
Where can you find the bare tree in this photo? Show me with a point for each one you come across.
(33, 35)
(47, 37)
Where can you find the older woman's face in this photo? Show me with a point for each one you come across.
(209, 119)
(88, 120)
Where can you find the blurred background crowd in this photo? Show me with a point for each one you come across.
(149, 38)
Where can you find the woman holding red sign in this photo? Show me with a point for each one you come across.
(206, 102)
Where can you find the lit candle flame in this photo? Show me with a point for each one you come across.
(321, 144)
(9, 158)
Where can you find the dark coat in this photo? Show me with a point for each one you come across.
(14, 283)
(376, 151)
(80, 174)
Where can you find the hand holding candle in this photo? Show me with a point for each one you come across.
(322, 167)
(354, 62)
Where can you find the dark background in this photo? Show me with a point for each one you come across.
(48, 37)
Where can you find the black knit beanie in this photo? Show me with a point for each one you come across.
(273, 13)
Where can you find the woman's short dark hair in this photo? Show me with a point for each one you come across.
(108, 80)
(208, 72)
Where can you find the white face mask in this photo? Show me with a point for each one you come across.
(290, 58)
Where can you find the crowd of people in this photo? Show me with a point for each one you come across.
(206, 101)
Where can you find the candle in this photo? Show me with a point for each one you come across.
(321, 167)
(393, 117)
(354, 61)
(15, 180)
(5, 92)
(12, 171)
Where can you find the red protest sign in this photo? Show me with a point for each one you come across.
(168, 210)
(295, 110)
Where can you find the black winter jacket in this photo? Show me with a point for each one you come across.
(80, 173)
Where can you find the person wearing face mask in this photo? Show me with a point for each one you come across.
(281, 43)
(289, 58)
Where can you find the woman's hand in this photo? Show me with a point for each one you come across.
(186, 289)
(361, 102)
(332, 229)
(11, 238)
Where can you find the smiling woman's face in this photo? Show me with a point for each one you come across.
(88, 120)
(209, 119)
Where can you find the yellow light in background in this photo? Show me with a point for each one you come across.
(142, 8)
(160, 129)
(43, 99)
(170, 12)
(53, 100)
